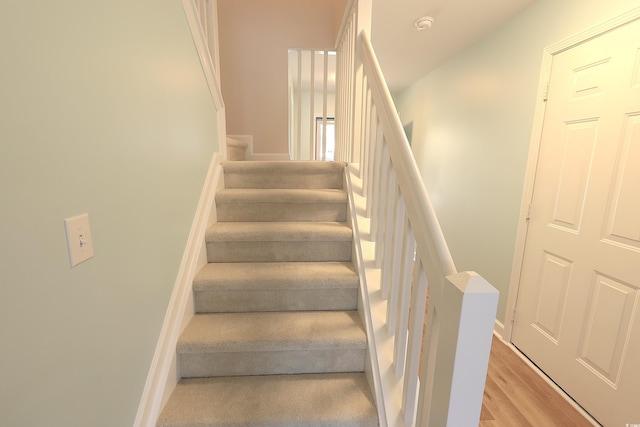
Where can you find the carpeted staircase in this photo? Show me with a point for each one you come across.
(276, 339)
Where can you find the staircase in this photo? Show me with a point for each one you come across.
(276, 339)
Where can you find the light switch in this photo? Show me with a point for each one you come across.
(78, 239)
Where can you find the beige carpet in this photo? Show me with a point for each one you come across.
(276, 339)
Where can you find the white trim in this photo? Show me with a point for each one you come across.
(527, 193)
(348, 11)
(498, 329)
(534, 148)
(247, 139)
(208, 68)
(594, 31)
(250, 155)
(160, 381)
(553, 385)
(191, 12)
(214, 37)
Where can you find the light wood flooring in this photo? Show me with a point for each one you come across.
(515, 395)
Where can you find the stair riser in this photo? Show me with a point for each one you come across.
(261, 212)
(275, 300)
(278, 251)
(197, 365)
(284, 180)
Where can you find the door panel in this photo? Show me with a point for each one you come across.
(577, 156)
(607, 326)
(624, 210)
(578, 301)
(554, 283)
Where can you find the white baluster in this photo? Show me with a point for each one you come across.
(395, 276)
(404, 299)
(374, 170)
(388, 255)
(416, 323)
(382, 208)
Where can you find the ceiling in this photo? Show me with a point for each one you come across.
(405, 54)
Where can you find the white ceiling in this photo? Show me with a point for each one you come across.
(405, 54)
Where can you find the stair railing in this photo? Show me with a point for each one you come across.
(425, 372)
(202, 16)
(207, 12)
(311, 103)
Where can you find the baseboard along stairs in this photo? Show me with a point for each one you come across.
(276, 339)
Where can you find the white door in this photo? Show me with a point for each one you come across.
(578, 307)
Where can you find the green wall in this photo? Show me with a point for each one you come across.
(104, 109)
(472, 122)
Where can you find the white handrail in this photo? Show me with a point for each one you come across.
(425, 222)
(407, 261)
(348, 13)
(205, 52)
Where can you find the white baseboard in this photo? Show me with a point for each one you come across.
(498, 329)
(163, 373)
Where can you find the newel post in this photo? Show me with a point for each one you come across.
(452, 385)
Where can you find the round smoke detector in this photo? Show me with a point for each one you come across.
(424, 23)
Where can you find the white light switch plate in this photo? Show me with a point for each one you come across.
(79, 239)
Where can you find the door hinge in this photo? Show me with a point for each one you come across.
(528, 214)
(513, 316)
(546, 92)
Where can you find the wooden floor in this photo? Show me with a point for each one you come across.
(515, 395)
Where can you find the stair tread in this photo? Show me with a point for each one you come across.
(281, 195)
(278, 231)
(272, 331)
(321, 400)
(275, 275)
(281, 243)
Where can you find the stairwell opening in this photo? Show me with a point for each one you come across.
(312, 87)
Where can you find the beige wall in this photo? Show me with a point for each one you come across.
(255, 36)
(473, 118)
(103, 109)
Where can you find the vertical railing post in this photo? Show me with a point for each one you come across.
(351, 83)
(373, 176)
(298, 142)
(363, 24)
(451, 389)
(312, 105)
(322, 155)
(309, 112)
(417, 306)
